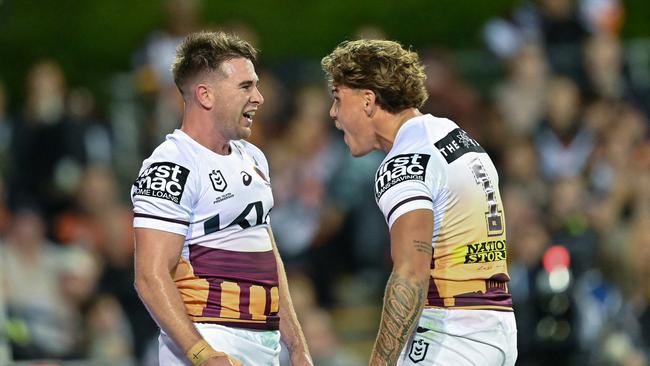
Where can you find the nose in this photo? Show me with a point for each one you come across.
(257, 97)
(333, 114)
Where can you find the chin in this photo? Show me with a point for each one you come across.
(244, 134)
(357, 153)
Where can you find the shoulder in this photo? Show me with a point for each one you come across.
(175, 148)
(422, 131)
(166, 173)
(414, 161)
(251, 149)
(413, 143)
(253, 152)
(175, 151)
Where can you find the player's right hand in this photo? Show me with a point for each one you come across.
(222, 361)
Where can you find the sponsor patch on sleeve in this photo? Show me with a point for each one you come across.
(456, 144)
(398, 169)
(164, 180)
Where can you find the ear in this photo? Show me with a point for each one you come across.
(369, 98)
(204, 95)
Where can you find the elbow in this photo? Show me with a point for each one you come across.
(143, 284)
(422, 276)
(140, 285)
(418, 274)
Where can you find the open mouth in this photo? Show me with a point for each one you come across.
(249, 116)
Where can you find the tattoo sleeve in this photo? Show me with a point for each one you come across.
(403, 303)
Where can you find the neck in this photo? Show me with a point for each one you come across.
(387, 126)
(205, 132)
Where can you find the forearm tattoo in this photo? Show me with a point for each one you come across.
(403, 303)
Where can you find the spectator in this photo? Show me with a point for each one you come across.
(521, 96)
(33, 269)
(152, 77)
(605, 16)
(45, 141)
(93, 133)
(562, 142)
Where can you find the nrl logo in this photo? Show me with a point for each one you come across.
(419, 350)
(218, 181)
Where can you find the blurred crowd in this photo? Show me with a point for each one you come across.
(566, 122)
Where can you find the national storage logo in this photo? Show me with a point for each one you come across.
(487, 251)
(164, 180)
(398, 169)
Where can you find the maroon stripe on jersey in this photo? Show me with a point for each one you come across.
(258, 268)
(214, 297)
(161, 218)
(433, 298)
(244, 301)
(244, 269)
(426, 198)
(493, 297)
(496, 295)
(267, 303)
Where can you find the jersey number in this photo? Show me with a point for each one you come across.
(212, 225)
(493, 215)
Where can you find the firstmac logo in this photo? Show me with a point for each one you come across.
(398, 169)
(164, 180)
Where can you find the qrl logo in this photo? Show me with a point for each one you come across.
(162, 180)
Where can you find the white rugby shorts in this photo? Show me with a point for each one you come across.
(252, 347)
(462, 338)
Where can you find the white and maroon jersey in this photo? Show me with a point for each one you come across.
(227, 273)
(435, 165)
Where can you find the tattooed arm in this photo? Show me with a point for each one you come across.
(406, 290)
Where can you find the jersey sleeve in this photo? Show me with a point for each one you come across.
(162, 194)
(408, 180)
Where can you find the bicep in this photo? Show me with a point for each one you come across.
(156, 249)
(410, 237)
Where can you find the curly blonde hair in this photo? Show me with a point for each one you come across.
(394, 74)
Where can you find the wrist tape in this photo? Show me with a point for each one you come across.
(200, 352)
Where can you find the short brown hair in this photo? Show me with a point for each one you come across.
(203, 52)
(395, 74)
